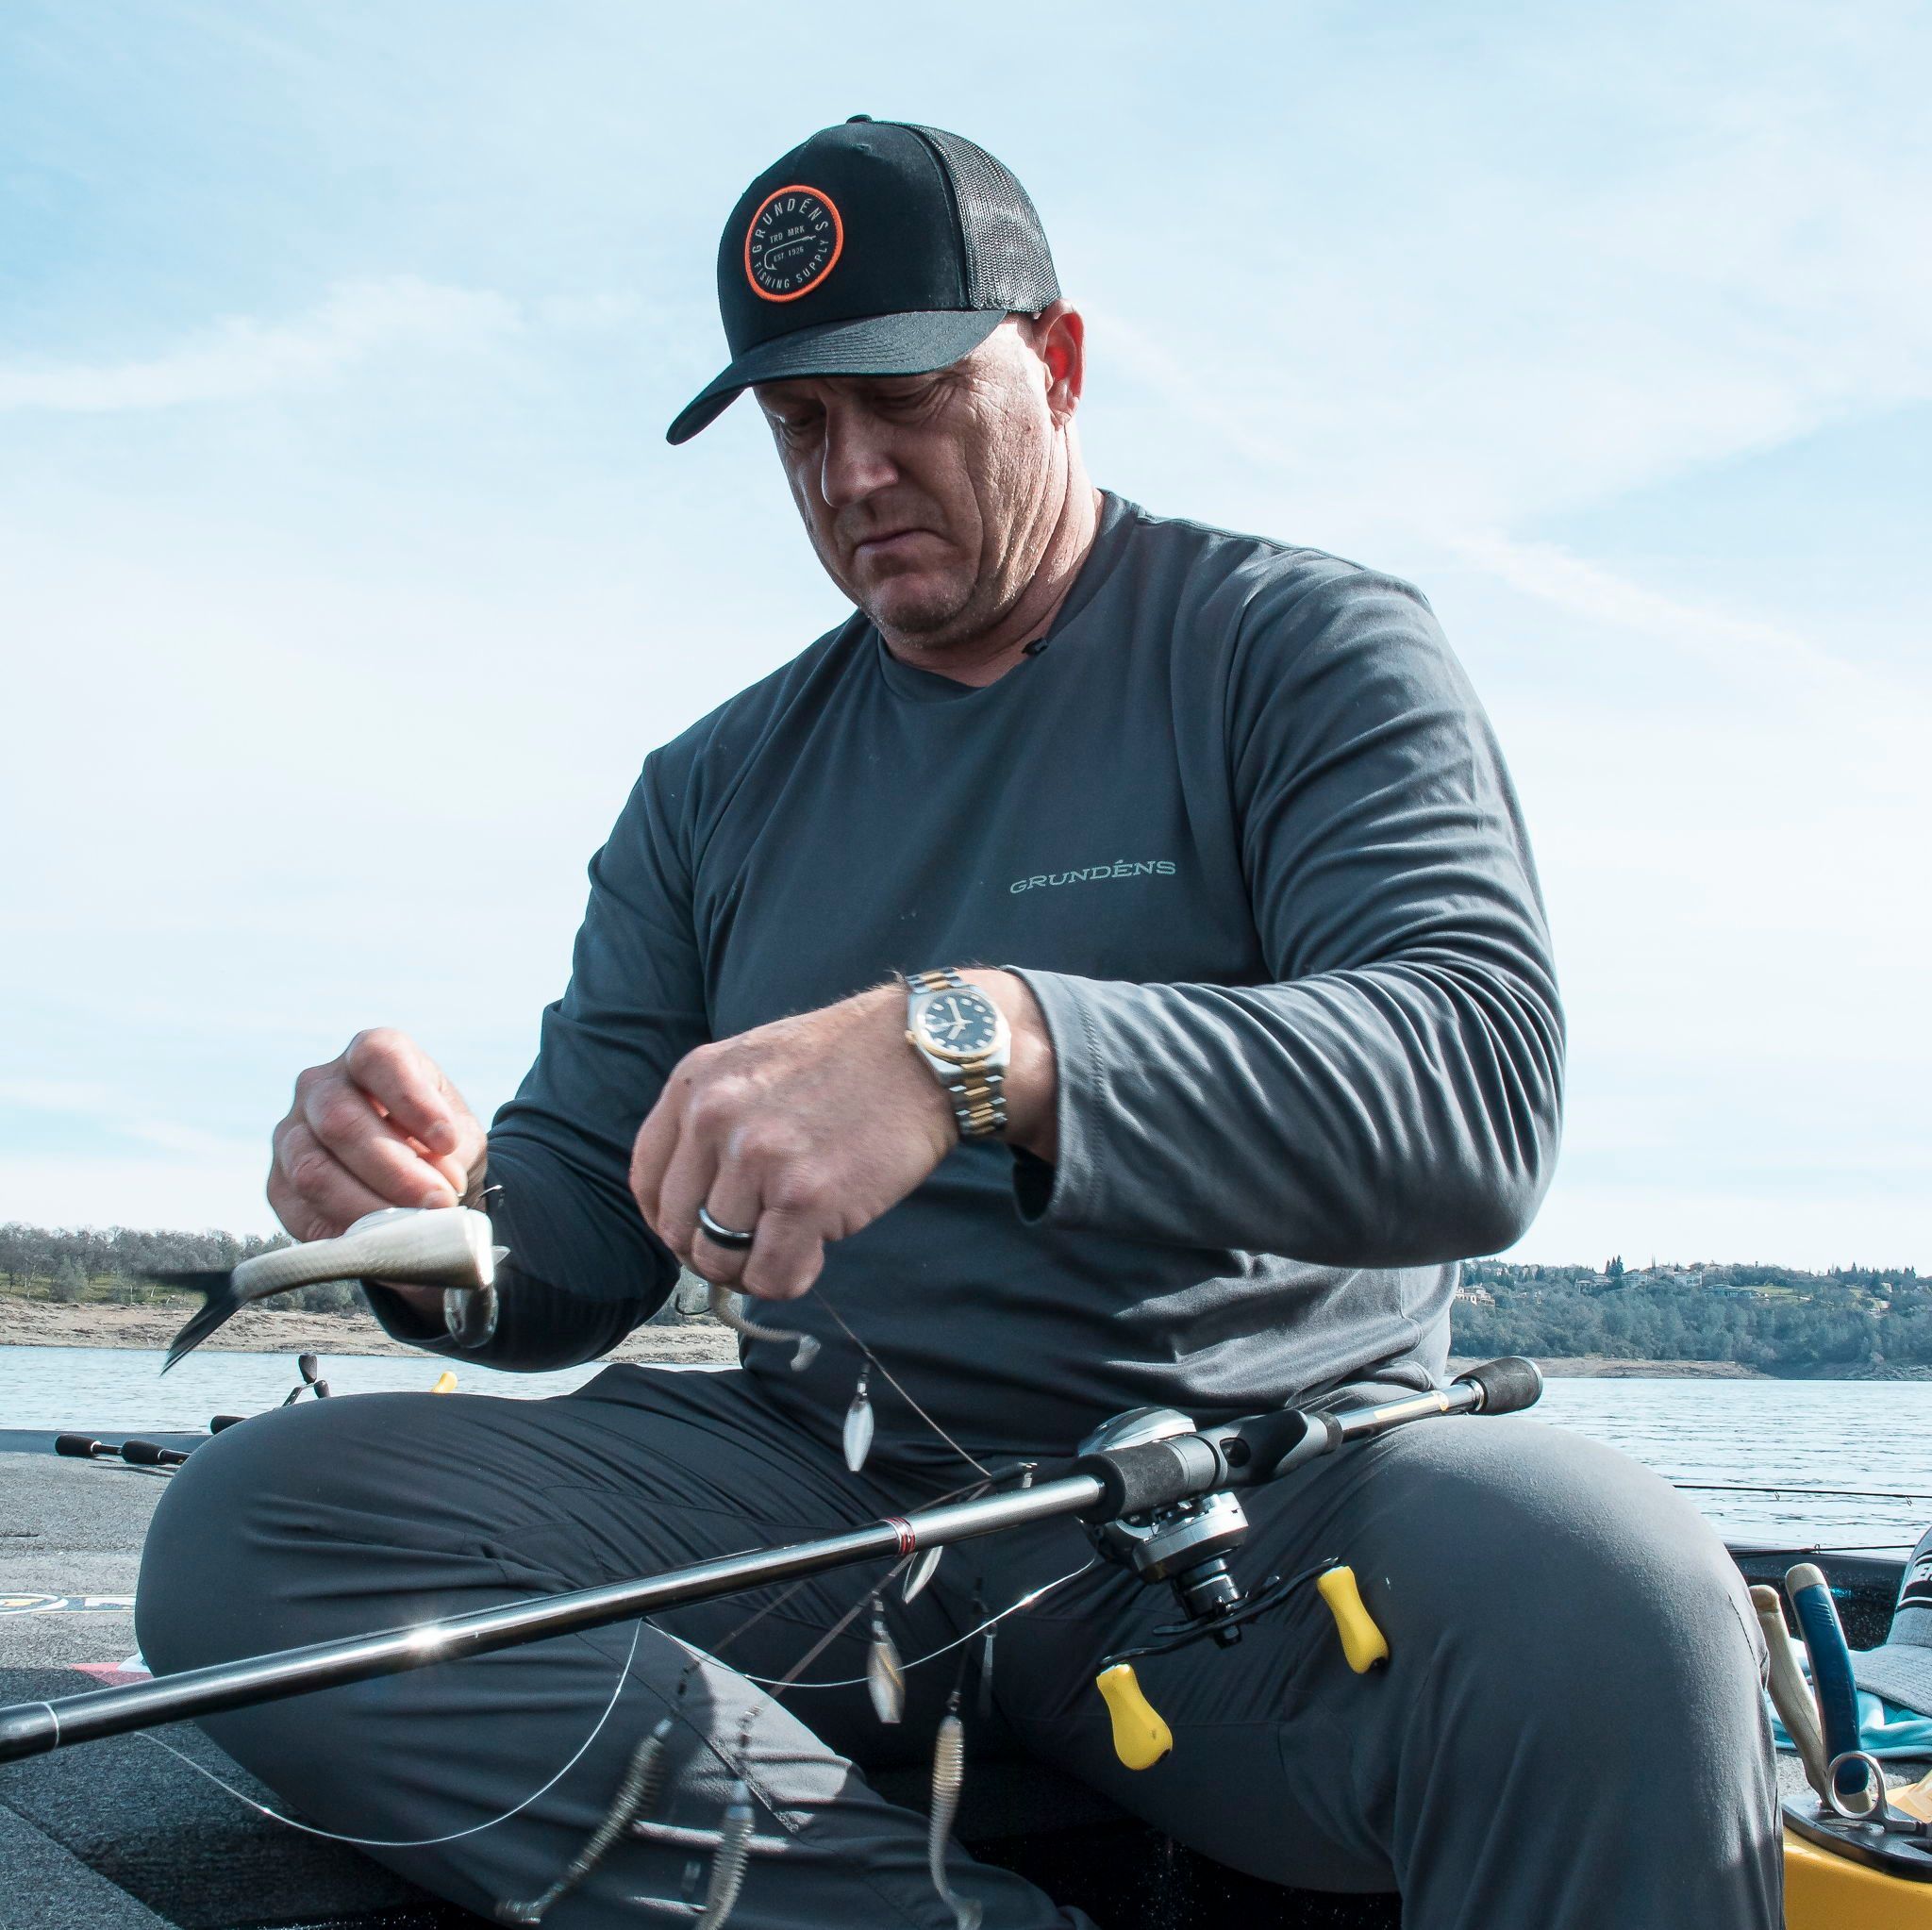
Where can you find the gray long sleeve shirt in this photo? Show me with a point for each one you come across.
(1245, 830)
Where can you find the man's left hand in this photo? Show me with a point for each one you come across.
(807, 1129)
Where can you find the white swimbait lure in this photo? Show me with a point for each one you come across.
(725, 1307)
(637, 1795)
(948, 1779)
(729, 1860)
(444, 1246)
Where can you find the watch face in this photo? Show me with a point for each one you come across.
(958, 1024)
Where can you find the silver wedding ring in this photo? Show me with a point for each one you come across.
(727, 1237)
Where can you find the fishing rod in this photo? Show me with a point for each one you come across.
(1166, 1495)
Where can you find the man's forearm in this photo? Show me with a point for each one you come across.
(1399, 1115)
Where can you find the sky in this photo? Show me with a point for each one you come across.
(345, 578)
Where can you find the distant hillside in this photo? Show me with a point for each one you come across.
(1777, 1319)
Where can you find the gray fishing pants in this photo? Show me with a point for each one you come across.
(1569, 1732)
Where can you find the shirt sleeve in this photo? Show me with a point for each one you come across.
(583, 1268)
(1391, 1097)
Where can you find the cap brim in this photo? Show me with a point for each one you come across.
(908, 345)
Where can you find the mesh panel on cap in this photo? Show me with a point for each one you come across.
(1008, 264)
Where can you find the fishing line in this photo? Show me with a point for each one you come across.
(973, 1461)
(1025, 1601)
(1841, 1493)
(778, 1684)
(309, 1829)
(970, 1491)
(1757, 1548)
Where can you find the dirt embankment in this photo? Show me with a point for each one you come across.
(280, 1330)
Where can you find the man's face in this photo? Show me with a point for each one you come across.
(929, 499)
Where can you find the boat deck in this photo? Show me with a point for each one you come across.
(121, 1836)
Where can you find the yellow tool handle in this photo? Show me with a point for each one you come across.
(1365, 1646)
(1140, 1739)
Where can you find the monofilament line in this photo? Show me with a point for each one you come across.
(309, 1829)
(973, 1461)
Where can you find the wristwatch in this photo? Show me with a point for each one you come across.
(963, 1037)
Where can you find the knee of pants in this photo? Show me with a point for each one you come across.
(1559, 1590)
(237, 1521)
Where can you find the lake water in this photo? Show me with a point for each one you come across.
(1861, 1435)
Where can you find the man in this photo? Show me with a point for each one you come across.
(1231, 1028)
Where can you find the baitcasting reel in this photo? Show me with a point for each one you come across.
(1184, 1543)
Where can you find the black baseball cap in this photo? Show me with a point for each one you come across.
(874, 248)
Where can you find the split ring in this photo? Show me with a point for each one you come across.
(727, 1237)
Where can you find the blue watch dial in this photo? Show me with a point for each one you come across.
(958, 1022)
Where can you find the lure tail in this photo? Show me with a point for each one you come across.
(220, 1302)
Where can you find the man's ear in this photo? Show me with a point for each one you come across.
(1059, 339)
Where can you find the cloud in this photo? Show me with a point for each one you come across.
(111, 1113)
(1739, 645)
(242, 356)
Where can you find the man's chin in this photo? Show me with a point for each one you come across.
(915, 607)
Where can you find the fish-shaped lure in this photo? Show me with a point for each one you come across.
(948, 1779)
(728, 1309)
(445, 1246)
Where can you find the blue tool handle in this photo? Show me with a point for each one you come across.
(1831, 1671)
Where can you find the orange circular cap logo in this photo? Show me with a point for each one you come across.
(793, 243)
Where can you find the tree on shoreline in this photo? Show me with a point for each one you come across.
(1757, 1314)
(112, 1263)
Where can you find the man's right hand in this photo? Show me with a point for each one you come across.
(379, 1126)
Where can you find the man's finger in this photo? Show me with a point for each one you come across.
(688, 1183)
(787, 1259)
(311, 1176)
(394, 1070)
(376, 1150)
(731, 1198)
(650, 1153)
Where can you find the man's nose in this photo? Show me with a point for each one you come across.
(855, 461)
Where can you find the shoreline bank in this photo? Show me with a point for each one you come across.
(284, 1330)
(279, 1330)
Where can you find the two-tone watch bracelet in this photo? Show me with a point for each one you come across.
(978, 1093)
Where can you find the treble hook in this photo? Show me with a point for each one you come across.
(724, 1308)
